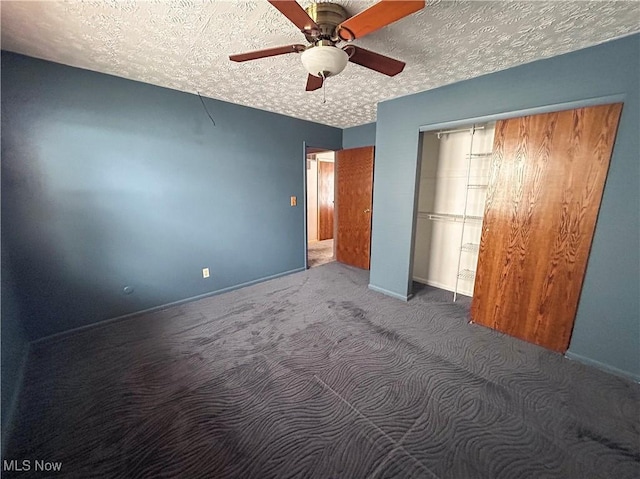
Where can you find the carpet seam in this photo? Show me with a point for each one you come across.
(397, 444)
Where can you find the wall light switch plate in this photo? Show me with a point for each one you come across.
(205, 272)
(294, 201)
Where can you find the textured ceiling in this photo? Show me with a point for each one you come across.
(185, 45)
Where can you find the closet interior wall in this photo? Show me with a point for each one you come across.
(454, 174)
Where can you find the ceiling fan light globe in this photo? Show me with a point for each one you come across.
(324, 61)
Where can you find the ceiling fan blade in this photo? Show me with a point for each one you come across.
(377, 16)
(268, 52)
(313, 82)
(294, 12)
(374, 61)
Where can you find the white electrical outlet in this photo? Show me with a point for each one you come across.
(205, 272)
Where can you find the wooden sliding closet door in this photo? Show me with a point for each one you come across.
(547, 177)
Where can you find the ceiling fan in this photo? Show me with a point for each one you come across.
(327, 24)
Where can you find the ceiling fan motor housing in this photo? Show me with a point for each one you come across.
(327, 16)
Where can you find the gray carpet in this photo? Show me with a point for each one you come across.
(319, 253)
(315, 376)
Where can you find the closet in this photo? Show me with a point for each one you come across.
(547, 178)
(530, 199)
(454, 176)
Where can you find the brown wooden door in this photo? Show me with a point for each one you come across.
(325, 200)
(354, 197)
(547, 177)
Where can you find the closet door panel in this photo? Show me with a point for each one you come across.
(547, 177)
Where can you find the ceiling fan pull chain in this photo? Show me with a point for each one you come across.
(324, 90)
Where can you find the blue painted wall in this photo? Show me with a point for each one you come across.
(607, 327)
(357, 136)
(14, 349)
(108, 183)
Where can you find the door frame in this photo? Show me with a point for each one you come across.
(570, 105)
(305, 151)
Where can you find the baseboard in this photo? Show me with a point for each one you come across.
(435, 284)
(389, 293)
(603, 366)
(104, 322)
(13, 406)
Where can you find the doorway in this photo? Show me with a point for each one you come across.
(320, 207)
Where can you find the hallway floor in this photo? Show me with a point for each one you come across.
(320, 252)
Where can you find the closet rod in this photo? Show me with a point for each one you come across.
(445, 132)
